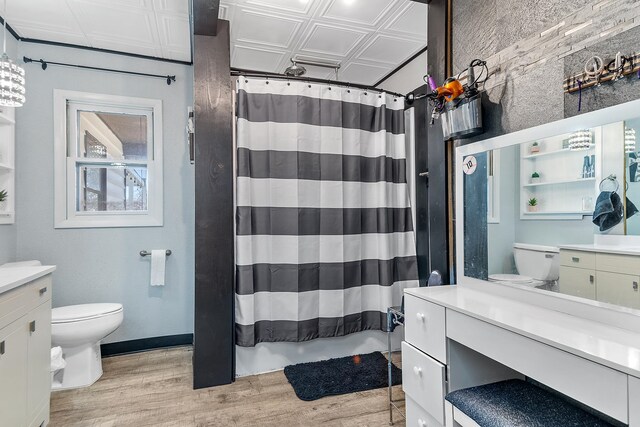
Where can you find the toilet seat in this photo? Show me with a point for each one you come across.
(76, 313)
(516, 279)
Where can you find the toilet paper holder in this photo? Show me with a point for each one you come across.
(147, 253)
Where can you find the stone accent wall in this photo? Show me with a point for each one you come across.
(532, 45)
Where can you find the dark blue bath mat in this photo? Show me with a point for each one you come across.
(344, 375)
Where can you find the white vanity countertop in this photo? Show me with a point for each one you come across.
(594, 247)
(12, 277)
(616, 348)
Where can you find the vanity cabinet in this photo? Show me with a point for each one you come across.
(489, 336)
(423, 370)
(602, 276)
(25, 343)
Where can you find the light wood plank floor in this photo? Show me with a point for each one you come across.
(154, 389)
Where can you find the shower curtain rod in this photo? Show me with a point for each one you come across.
(260, 74)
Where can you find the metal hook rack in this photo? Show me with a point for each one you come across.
(581, 81)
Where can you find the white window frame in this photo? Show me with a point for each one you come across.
(66, 157)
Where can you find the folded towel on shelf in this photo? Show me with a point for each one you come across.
(609, 211)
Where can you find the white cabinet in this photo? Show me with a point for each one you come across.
(7, 164)
(424, 355)
(39, 360)
(13, 371)
(578, 282)
(25, 343)
(601, 276)
(634, 401)
(618, 289)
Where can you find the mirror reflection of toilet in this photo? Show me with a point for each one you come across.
(537, 265)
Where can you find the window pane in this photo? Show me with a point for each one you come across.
(102, 188)
(112, 136)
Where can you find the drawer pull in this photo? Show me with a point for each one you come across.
(32, 326)
(635, 286)
(422, 423)
(575, 259)
(417, 370)
(420, 316)
(43, 291)
(592, 279)
(1, 348)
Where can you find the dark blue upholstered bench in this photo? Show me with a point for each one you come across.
(518, 403)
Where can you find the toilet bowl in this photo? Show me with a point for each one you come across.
(537, 266)
(78, 329)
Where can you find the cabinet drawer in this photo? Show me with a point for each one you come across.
(618, 289)
(578, 259)
(13, 305)
(614, 263)
(634, 398)
(423, 381)
(417, 416)
(579, 282)
(425, 327)
(39, 291)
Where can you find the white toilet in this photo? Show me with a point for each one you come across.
(537, 265)
(78, 329)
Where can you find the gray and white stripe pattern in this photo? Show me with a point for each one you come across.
(324, 234)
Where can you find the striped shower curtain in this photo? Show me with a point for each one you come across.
(324, 236)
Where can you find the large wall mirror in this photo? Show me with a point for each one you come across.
(555, 208)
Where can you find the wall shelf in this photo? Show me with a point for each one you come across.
(555, 152)
(561, 195)
(567, 181)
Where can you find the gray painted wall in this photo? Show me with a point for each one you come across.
(103, 265)
(8, 236)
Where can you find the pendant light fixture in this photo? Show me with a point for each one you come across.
(629, 140)
(581, 140)
(11, 75)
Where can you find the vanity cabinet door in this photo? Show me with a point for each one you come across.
(13, 371)
(39, 360)
(618, 289)
(634, 398)
(578, 282)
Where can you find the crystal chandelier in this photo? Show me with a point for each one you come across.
(581, 140)
(629, 140)
(11, 76)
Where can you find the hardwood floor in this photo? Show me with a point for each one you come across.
(154, 389)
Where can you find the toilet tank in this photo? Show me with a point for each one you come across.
(537, 261)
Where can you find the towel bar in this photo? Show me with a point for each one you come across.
(147, 253)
